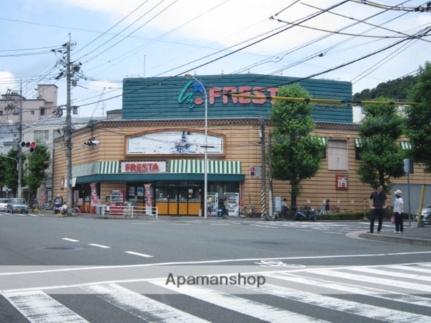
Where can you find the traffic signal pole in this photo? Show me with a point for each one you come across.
(19, 189)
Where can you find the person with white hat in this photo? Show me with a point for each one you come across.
(398, 211)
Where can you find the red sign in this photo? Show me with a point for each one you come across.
(143, 167)
(341, 182)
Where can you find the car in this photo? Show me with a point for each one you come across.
(426, 214)
(17, 205)
(3, 204)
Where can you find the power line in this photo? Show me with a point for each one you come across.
(112, 27)
(137, 29)
(120, 33)
(339, 32)
(383, 61)
(287, 7)
(313, 41)
(134, 50)
(309, 17)
(29, 49)
(364, 22)
(426, 8)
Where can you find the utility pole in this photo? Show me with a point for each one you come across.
(71, 70)
(270, 196)
(69, 128)
(263, 170)
(19, 190)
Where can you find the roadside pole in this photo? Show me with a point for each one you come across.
(19, 189)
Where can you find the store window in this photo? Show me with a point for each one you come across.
(42, 111)
(337, 155)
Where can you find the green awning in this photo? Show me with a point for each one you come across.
(358, 142)
(406, 145)
(157, 177)
(196, 166)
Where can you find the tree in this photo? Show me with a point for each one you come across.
(10, 170)
(419, 118)
(38, 162)
(295, 154)
(381, 156)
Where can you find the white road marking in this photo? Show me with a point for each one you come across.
(99, 245)
(39, 307)
(410, 268)
(138, 254)
(374, 280)
(69, 239)
(238, 304)
(197, 262)
(341, 305)
(391, 274)
(354, 289)
(140, 305)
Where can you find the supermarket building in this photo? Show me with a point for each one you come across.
(153, 156)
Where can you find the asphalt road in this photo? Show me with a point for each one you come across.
(83, 269)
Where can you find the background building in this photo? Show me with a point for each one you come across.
(154, 155)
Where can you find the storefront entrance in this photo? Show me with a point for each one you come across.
(179, 199)
(186, 198)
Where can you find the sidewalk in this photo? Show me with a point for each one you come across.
(411, 235)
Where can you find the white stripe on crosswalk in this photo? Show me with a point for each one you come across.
(341, 305)
(238, 304)
(140, 305)
(41, 308)
(354, 289)
(392, 274)
(371, 279)
(410, 268)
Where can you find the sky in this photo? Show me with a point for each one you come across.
(114, 39)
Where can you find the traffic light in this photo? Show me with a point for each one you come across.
(30, 145)
(92, 142)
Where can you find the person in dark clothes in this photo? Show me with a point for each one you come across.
(377, 206)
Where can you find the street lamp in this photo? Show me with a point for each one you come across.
(189, 76)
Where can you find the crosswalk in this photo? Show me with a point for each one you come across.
(389, 293)
(337, 228)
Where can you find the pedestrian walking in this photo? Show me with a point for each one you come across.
(398, 211)
(284, 209)
(377, 206)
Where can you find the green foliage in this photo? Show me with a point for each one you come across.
(419, 118)
(381, 155)
(9, 167)
(295, 154)
(38, 161)
(397, 89)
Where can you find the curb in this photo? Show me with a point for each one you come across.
(406, 240)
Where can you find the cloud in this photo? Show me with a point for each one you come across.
(103, 85)
(7, 81)
(230, 22)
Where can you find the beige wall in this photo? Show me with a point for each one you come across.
(241, 143)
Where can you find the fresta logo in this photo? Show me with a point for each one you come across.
(193, 94)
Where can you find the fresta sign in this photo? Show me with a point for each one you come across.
(179, 98)
(193, 95)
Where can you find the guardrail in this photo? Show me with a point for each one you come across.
(125, 211)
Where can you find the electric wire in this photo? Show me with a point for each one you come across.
(420, 8)
(383, 61)
(364, 22)
(339, 32)
(132, 52)
(282, 55)
(91, 42)
(135, 30)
